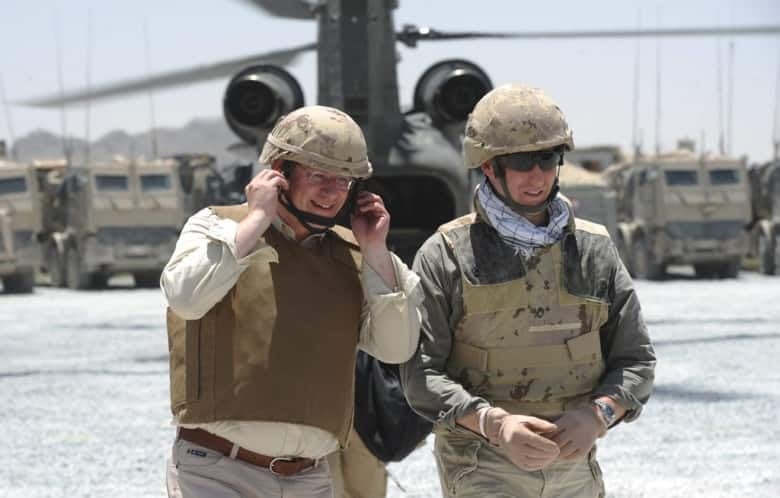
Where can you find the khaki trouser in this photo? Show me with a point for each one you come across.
(471, 467)
(198, 472)
(356, 472)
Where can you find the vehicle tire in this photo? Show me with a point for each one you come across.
(77, 279)
(730, 269)
(766, 254)
(643, 262)
(99, 281)
(147, 279)
(705, 270)
(19, 283)
(55, 266)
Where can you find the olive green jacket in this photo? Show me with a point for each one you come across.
(591, 268)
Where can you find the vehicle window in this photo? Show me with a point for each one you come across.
(723, 176)
(155, 182)
(14, 185)
(678, 177)
(111, 182)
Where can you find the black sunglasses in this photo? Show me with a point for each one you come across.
(525, 161)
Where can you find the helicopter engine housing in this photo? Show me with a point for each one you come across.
(256, 97)
(448, 90)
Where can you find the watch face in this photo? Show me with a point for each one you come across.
(606, 411)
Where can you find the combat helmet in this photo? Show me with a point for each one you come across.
(323, 138)
(319, 137)
(510, 119)
(513, 118)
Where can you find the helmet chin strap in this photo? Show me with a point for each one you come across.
(307, 219)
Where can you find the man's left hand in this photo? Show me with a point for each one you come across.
(370, 221)
(577, 431)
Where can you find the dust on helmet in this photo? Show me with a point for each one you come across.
(319, 137)
(513, 118)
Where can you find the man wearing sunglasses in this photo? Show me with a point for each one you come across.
(533, 342)
(269, 302)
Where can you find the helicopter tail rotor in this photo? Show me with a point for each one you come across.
(256, 97)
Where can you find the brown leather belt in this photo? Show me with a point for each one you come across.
(282, 466)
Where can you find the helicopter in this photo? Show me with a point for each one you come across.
(416, 152)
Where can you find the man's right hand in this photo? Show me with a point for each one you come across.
(262, 198)
(522, 439)
(263, 191)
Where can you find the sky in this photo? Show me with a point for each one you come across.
(592, 80)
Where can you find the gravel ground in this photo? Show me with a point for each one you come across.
(84, 396)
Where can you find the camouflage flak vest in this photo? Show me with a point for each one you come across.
(526, 344)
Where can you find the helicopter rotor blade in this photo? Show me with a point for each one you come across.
(172, 78)
(412, 34)
(293, 9)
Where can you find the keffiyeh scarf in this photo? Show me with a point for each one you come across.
(516, 230)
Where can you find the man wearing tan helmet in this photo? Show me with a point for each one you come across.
(268, 303)
(533, 343)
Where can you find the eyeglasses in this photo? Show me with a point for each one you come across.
(525, 161)
(319, 179)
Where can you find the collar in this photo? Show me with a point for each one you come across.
(286, 230)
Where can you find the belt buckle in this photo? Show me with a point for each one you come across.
(278, 459)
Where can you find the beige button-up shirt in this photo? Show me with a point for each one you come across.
(204, 267)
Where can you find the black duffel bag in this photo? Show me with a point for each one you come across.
(386, 423)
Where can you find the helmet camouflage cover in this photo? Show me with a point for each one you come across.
(513, 118)
(319, 137)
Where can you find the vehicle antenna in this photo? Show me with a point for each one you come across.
(719, 81)
(8, 121)
(635, 129)
(63, 118)
(776, 130)
(658, 89)
(153, 129)
(87, 108)
(703, 140)
(730, 100)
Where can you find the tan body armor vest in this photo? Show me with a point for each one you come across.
(526, 344)
(280, 346)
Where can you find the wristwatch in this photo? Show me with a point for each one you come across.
(606, 411)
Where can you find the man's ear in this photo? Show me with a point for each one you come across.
(277, 165)
(487, 169)
(284, 166)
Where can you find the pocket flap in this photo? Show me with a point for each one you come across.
(585, 346)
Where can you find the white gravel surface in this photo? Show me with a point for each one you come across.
(84, 396)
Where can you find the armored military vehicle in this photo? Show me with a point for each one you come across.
(596, 158)
(765, 225)
(7, 259)
(112, 217)
(590, 196)
(678, 208)
(20, 201)
(205, 183)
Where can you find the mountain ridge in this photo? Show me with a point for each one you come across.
(201, 135)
